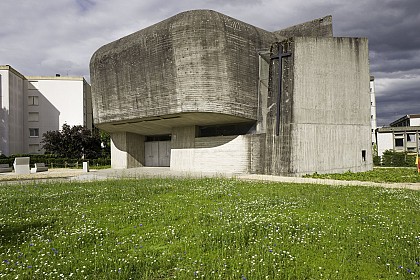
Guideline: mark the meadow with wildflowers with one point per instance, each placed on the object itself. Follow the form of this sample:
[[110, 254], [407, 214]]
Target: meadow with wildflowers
[[378, 174], [207, 229]]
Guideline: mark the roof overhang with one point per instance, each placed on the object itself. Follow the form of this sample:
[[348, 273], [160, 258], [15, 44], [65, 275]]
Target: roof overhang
[[161, 125]]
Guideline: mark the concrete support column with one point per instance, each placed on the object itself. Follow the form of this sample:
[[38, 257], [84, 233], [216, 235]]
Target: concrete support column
[[127, 150], [183, 137]]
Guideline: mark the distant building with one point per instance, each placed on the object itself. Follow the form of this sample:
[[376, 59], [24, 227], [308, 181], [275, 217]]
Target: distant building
[[33, 105], [402, 135], [373, 123]]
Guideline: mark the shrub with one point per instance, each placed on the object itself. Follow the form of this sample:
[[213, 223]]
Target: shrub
[[398, 159], [54, 161], [376, 160]]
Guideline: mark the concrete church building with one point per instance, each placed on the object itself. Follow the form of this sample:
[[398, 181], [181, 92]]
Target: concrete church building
[[202, 91]]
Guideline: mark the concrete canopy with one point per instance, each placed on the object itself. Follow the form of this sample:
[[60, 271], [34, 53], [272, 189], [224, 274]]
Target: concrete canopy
[[160, 125]]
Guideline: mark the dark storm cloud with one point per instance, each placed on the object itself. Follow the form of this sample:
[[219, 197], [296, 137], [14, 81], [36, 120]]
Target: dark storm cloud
[[60, 36], [384, 64], [85, 4], [392, 102], [392, 28]]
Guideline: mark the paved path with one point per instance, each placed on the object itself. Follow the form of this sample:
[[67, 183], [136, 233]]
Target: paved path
[[165, 172], [412, 186]]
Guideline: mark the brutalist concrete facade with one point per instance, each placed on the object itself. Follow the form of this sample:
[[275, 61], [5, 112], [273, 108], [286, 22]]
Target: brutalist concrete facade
[[227, 96]]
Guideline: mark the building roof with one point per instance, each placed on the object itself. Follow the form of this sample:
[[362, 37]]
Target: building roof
[[397, 129], [11, 69], [54, 78], [406, 117]]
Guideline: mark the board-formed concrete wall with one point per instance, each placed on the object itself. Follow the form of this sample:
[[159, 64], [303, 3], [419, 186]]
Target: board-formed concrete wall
[[196, 61], [320, 27], [224, 154], [127, 149], [217, 154], [331, 105], [325, 108]]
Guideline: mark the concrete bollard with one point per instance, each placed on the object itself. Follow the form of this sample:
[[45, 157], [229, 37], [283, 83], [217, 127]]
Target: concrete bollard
[[85, 166]]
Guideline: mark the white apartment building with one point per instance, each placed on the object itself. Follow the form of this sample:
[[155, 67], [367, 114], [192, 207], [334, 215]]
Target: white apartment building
[[32, 105], [403, 135], [373, 109]]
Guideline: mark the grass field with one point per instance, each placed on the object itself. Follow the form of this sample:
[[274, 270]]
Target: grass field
[[207, 229], [378, 174]]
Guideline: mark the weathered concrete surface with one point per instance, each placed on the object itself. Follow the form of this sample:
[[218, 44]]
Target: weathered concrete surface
[[217, 154], [127, 150], [223, 154], [321, 27], [325, 108], [197, 61], [202, 68]]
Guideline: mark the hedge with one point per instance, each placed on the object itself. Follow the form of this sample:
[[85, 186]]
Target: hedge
[[396, 159], [53, 161]]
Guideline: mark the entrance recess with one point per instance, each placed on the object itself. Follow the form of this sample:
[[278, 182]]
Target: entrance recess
[[157, 153]]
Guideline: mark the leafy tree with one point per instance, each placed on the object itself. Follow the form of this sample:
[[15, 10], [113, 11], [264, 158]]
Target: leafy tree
[[73, 142], [105, 144]]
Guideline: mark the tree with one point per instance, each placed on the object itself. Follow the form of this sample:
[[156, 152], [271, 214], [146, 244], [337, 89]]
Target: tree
[[73, 142], [105, 143]]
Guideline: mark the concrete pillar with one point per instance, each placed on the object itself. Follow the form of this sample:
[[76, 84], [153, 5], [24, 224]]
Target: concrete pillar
[[183, 137], [85, 166], [127, 150]]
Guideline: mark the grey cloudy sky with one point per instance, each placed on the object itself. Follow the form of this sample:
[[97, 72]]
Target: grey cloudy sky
[[59, 36]]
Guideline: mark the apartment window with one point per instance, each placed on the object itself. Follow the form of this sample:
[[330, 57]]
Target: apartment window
[[34, 132], [363, 155], [33, 117], [411, 137], [399, 142], [33, 101], [33, 148]]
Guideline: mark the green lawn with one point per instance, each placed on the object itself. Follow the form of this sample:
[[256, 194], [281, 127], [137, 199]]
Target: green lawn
[[378, 174], [207, 229]]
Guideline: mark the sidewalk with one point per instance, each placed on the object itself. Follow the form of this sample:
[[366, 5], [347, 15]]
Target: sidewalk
[[74, 175], [300, 180]]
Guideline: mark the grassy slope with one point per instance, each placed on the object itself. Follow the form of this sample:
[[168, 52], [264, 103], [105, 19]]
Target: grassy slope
[[208, 228]]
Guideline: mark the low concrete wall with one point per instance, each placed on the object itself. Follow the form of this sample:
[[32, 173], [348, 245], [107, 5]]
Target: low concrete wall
[[225, 154]]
